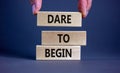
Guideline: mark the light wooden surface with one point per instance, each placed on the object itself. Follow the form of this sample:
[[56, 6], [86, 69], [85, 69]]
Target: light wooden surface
[[75, 19], [76, 38], [40, 52]]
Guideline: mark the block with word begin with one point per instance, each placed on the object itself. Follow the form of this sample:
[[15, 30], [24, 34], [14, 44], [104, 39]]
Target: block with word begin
[[69, 19], [58, 52], [57, 38]]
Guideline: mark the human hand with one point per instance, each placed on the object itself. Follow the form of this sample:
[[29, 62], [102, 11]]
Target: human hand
[[36, 6], [84, 7]]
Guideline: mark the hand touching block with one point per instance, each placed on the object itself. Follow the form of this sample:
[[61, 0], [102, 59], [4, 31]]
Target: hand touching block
[[84, 6]]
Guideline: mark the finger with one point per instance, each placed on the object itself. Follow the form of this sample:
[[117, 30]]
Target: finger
[[82, 6], [38, 4], [89, 4]]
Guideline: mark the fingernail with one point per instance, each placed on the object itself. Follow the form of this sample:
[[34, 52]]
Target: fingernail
[[35, 12], [84, 14]]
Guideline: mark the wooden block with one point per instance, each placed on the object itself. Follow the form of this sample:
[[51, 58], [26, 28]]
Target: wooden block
[[55, 38], [64, 19], [58, 52]]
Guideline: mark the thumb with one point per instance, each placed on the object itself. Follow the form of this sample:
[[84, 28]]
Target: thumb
[[36, 6], [82, 7], [89, 4]]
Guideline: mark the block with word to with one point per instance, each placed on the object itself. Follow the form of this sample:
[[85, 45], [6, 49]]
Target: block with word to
[[58, 52], [69, 19], [53, 38]]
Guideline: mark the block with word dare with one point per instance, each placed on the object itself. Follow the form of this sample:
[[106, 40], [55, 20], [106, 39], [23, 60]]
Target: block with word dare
[[53, 38], [69, 19], [58, 52]]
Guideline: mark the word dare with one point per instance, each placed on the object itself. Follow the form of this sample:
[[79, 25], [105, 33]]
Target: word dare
[[59, 19]]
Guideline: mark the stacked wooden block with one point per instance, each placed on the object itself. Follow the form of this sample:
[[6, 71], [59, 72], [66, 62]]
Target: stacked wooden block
[[60, 45]]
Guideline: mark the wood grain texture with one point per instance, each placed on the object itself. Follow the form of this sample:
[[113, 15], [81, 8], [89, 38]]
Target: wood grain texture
[[40, 52], [76, 19], [76, 38]]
